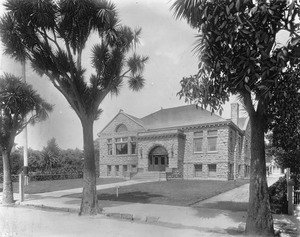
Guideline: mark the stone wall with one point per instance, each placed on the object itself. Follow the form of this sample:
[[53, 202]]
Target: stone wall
[[219, 157], [167, 139], [109, 132]]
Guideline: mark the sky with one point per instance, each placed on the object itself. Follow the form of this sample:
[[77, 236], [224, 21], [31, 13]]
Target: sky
[[166, 41]]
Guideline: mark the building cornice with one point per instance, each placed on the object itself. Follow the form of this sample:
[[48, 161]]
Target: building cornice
[[149, 135]]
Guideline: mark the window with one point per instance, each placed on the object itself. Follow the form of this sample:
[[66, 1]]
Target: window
[[109, 146], [109, 170], [198, 141], [109, 149], [117, 170], [133, 145], [121, 145], [121, 128], [125, 168], [121, 149], [212, 140], [231, 144], [212, 167], [198, 169]]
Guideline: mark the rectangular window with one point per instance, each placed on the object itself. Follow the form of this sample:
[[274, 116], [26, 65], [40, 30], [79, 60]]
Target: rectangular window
[[156, 160], [212, 140], [198, 141], [121, 148], [121, 145], [198, 169], [133, 147], [109, 170], [125, 168], [122, 139], [117, 170], [212, 167], [109, 146], [109, 149]]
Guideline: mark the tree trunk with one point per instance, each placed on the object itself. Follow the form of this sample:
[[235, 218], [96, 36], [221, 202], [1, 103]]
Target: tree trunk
[[7, 195], [89, 203], [259, 220]]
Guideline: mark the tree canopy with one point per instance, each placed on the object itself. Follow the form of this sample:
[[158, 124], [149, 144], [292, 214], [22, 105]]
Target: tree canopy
[[239, 53], [52, 36], [20, 105]]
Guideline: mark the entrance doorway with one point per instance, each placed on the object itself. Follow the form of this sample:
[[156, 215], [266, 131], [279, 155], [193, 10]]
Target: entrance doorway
[[158, 159]]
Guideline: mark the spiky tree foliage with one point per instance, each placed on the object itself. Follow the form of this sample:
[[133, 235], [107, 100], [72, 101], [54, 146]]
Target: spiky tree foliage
[[17, 100], [239, 53], [52, 36], [50, 156]]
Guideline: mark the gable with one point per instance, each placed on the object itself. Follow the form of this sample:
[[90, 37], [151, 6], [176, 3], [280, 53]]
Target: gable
[[124, 120]]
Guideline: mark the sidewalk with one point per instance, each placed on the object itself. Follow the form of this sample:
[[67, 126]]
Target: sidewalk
[[207, 215]]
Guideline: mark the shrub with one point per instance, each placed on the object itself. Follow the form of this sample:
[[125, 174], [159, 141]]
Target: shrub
[[278, 197]]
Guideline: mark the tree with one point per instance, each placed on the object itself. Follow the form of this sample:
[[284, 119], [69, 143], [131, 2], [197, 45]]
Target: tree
[[50, 155], [239, 54], [52, 36], [17, 100]]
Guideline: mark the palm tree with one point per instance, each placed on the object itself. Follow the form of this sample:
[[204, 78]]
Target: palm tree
[[17, 100], [50, 155], [52, 36]]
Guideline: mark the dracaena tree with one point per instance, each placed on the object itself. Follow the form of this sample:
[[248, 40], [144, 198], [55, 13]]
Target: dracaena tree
[[17, 101], [52, 36], [239, 53]]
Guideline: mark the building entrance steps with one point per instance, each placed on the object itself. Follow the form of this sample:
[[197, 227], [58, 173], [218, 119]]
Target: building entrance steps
[[150, 175]]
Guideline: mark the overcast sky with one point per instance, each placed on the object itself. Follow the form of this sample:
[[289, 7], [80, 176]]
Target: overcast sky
[[169, 44]]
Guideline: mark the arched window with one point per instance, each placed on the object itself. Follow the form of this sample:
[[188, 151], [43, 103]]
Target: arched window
[[121, 128]]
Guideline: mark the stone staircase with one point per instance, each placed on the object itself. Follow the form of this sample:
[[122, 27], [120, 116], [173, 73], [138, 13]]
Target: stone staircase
[[150, 175]]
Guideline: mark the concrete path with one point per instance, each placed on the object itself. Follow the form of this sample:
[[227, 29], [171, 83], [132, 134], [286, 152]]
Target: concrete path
[[235, 199]]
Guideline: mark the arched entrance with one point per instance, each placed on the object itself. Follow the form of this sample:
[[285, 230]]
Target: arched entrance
[[158, 159]]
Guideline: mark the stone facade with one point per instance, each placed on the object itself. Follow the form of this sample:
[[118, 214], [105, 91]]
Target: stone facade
[[215, 150]]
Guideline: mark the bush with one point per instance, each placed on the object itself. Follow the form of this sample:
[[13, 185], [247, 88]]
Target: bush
[[278, 197]]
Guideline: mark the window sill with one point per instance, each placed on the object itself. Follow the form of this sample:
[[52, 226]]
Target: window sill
[[198, 152], [212, 152]]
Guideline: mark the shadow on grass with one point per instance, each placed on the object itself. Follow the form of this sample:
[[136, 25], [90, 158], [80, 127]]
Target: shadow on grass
[[138, 196], [135, 197]]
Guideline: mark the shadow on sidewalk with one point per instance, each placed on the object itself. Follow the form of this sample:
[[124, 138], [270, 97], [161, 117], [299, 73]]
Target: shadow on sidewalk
[[226, 205]]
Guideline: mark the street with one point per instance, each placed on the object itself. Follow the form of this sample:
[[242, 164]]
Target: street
[[31, 222]]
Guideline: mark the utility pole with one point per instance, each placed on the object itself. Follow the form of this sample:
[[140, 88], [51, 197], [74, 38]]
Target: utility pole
[[23, 177], [25, 167]]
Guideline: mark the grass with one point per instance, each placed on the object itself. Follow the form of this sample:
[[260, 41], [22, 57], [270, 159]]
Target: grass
[[173, 192], [56, 185]]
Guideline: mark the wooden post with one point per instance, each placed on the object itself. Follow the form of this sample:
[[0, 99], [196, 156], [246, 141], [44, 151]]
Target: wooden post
[[117, 190], [290, 186], [21, 187]]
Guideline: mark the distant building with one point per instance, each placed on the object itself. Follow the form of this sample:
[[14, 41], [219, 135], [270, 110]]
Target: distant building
[[182, 142]]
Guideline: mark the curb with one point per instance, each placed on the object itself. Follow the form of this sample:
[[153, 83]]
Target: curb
[[115, 215]]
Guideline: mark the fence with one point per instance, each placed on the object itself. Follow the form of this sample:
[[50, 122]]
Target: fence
[[43, 177], [296, 196]]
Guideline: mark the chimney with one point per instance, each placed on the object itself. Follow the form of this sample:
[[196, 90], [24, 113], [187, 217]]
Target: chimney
[[235, 113]]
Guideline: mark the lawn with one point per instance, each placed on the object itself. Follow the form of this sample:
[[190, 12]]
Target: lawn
[[173, 192], [56, 185]]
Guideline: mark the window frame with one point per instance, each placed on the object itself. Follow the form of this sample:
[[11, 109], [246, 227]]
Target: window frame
[[212, 136], [121, 141], [198, 171], [210, 169], [198, 138]]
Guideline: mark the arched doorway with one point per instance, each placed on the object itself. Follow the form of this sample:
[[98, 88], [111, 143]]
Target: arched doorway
[[158, 159]]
